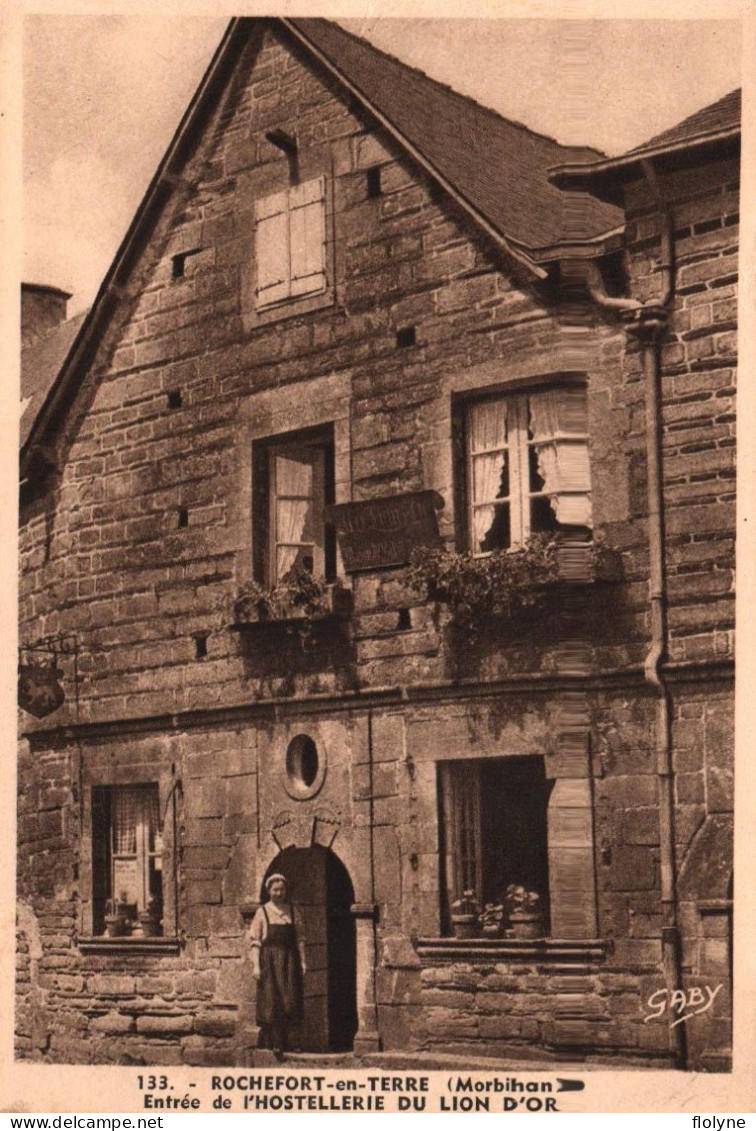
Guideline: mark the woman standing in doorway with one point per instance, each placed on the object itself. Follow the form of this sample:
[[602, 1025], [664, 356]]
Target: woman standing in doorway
[[278, 965]]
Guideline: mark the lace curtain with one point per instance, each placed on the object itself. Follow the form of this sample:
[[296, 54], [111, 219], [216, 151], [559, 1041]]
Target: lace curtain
[[133, 806], [488, 429], [555, 417], [294, 491]]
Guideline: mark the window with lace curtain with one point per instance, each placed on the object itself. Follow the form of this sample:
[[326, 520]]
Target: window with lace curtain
[[493, 825], [527, 467], [293, 482], [127, 854]]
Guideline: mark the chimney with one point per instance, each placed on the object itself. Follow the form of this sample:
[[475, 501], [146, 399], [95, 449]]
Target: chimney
[[41, 309]]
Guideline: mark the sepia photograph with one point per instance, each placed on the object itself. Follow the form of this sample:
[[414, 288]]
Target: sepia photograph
[[377, 528]]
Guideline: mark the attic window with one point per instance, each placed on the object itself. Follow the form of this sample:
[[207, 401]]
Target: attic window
[[290, 243], [374, 182]]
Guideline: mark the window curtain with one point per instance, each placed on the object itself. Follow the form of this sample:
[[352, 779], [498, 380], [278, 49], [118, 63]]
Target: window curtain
[[294, 489], [555, 417], [125, 810], [133, 807], [460, 800], [488, 429]]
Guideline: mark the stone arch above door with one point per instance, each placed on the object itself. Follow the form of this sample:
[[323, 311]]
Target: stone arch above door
[[291, 829]]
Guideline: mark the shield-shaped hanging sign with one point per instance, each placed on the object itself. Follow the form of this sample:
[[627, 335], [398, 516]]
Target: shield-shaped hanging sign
[[39, 690]]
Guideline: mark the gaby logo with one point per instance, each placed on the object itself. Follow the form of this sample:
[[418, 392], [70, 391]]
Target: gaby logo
[[681, 1004]]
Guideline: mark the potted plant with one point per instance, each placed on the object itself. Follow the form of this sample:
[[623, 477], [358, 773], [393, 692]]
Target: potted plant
[[117, 923], [524, 912], [149, 920], [492, 919], [465, 913]]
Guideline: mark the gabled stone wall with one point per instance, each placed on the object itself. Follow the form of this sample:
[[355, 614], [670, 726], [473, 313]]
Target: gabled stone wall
[[189, 377]]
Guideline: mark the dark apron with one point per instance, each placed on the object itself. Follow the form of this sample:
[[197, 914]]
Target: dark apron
[[279, 990]]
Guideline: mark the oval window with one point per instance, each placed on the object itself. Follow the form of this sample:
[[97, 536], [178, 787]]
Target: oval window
[[305, 769]]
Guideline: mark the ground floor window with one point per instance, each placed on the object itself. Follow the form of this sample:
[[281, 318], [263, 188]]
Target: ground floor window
[[494, 830], [127, 860]]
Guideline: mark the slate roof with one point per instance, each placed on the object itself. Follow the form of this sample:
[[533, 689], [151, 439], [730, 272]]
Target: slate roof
[[715, 119], [716, 124], [499, 166], [40, 362]]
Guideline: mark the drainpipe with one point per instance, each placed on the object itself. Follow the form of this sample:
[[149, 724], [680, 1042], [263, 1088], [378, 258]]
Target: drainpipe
[[374, 914], [647, 322]]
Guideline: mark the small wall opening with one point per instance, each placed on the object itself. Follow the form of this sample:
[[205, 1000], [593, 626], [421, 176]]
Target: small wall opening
[[405, 337], [179, 262], [374, 182], [404, 620]]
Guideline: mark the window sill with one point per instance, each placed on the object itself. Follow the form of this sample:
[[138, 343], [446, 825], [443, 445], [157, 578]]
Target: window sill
[[482, 950], [102, 944], [714, 906], [279, 304], [258, 316]]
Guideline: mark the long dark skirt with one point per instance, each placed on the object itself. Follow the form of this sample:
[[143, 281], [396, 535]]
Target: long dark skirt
[[279, 989]]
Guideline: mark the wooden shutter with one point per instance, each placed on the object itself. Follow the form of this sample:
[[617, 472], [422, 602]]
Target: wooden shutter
[[571, 865], [307, 237], [272, 249]]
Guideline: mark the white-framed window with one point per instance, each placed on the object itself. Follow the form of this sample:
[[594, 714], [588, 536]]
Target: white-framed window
[[494, 829], [290, 243], [527, 467], [127, 856], [293, 484]]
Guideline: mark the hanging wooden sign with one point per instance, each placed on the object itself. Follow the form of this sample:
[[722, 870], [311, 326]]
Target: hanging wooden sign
[[39, 689], [383, 532]]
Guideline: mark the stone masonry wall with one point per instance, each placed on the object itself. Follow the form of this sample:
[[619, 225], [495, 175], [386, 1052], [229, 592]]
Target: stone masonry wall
[[105, 558], [110, 562], [699, 359]]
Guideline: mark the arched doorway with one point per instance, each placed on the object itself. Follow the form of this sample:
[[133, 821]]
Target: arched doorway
[[320, 886]]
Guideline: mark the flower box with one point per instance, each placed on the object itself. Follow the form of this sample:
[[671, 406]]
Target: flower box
[[333, 603]]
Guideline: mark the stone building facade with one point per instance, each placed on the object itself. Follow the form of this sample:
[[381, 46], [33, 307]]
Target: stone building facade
[[326, 300]]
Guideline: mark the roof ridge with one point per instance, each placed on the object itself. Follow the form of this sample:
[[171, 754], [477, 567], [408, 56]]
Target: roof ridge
[[446, 87]]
